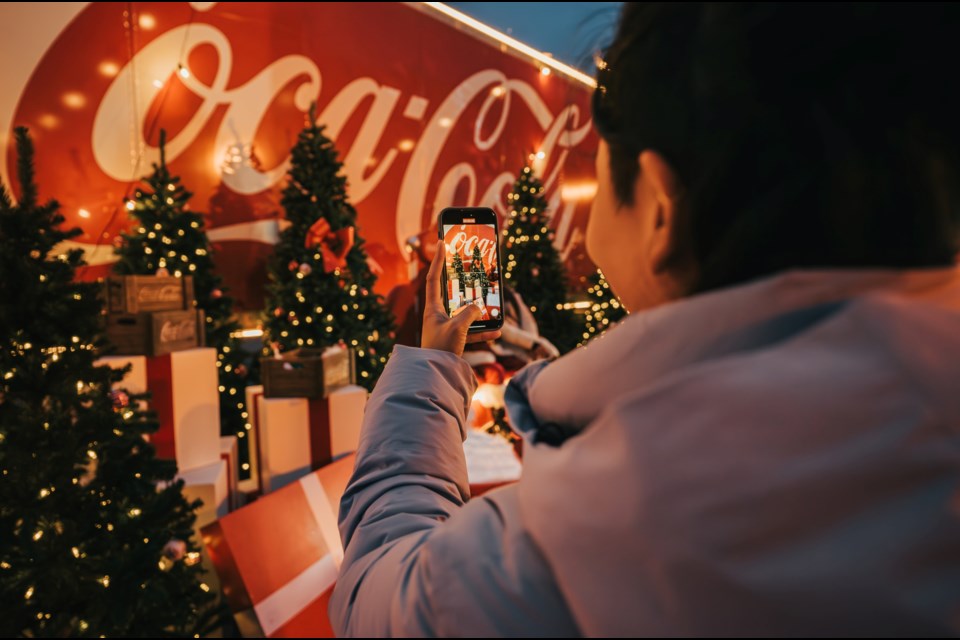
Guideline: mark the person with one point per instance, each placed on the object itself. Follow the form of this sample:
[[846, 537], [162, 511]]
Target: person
[[768, 444]]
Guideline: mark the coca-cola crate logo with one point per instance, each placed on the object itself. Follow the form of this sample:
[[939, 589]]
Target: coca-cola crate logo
[[162, 293], [424, 115], [178, 330]]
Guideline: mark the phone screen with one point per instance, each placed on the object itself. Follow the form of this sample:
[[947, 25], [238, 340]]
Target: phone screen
[[473, 269]]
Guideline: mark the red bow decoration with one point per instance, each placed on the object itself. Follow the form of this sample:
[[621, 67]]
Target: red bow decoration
[[334, 245]]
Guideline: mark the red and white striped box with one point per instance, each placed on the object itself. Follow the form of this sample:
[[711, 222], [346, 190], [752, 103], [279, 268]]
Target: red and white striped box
[[278, 557], [229, 453], [184, 393], [297, 435]]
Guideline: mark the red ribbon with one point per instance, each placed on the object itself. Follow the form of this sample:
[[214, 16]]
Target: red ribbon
[[334, 245]]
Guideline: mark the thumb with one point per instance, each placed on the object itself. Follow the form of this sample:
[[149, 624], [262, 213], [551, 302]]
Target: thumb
[[468, 316]]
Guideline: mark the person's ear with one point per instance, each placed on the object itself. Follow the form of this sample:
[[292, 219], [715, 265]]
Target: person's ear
[[662, 184]]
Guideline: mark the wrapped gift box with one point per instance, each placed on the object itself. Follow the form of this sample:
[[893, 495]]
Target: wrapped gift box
[[250, 477], [183, 386], [229, 453], [135, 381], [297, 435], [278, 557], [207, 483], [491, 461], [185, 397]]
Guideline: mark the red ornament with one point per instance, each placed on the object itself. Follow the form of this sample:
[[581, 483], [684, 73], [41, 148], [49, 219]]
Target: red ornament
[[293, 265], [535, 271], [240, 370], [334, 245], [119, 398], [278, 312], [305, 269], [119, 242], [216, 293], [175, 549]]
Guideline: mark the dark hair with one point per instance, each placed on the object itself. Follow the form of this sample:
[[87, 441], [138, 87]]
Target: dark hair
[[804, 135]]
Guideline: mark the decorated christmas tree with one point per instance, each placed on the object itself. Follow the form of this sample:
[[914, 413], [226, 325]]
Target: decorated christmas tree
[[91, 545], [479, 274], [605, 308], [170, 239], [458, 270], [532, 264], [321, 285]]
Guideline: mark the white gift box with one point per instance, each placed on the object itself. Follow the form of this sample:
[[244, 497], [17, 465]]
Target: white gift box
[[229, 453], [136, 380], [251, 485], [297, 435], [207, 483], [184, 393]]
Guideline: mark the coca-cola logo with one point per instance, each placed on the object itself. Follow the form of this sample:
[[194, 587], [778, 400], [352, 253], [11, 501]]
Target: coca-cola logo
[[178, 330], [160, 293], [464, 238], [444, 120]]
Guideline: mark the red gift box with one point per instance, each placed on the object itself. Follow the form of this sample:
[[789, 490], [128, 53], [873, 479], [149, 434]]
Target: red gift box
[[278, 557]]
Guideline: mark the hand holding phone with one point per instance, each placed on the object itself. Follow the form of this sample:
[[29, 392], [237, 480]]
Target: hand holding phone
[[472, 269], [440, 331]]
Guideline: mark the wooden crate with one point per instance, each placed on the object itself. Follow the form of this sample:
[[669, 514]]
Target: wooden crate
[[308, 373], [135, 294], [155, 333]]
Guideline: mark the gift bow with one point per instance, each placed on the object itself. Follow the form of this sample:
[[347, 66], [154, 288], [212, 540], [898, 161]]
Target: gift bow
[[334, 245]]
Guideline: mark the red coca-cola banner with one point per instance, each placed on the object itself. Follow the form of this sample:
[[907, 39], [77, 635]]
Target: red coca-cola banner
[[425, 113]]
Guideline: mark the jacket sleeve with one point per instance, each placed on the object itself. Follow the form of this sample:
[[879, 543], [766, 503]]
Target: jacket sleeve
[[419, 559]]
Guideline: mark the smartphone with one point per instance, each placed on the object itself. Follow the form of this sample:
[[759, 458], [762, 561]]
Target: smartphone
[[472, 270]]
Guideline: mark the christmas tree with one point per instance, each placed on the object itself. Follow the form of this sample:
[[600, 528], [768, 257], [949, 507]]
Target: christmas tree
[[321, 286], [90, 546], [605, 308], [479, 273], [458, 270], [171, 239], [532, 264]]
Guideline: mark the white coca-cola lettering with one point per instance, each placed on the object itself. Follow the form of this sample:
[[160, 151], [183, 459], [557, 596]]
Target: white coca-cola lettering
[[122, 152], [177, 330], [164, 293], [465, 244]]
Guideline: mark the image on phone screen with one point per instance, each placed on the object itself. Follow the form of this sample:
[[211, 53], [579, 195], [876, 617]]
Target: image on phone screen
[[473, 275]]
